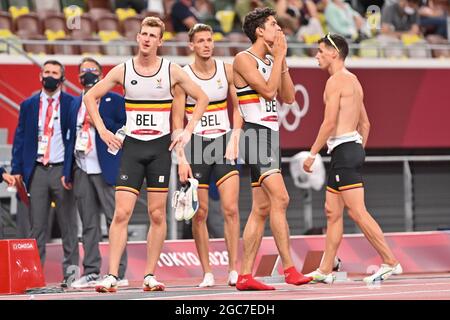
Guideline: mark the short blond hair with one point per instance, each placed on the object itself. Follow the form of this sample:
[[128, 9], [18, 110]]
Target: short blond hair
[[199, 27], [154, 22]]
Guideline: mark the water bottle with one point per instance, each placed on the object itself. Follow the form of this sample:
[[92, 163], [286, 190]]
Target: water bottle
[[121, 134]]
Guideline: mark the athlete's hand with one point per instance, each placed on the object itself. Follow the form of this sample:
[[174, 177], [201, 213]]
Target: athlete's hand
[[181, 140], [307, 164], [184, 172], [9, 179], [232, 151], [110, 139], [279, 48]]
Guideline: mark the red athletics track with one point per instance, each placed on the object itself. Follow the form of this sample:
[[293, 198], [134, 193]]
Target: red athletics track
[[404, 287]]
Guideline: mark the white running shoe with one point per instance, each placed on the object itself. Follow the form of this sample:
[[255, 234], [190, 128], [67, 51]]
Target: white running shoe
[[192, 203], [179, 203], [122, 282], [86, 281], [232, 278], [384, 273], [208, 280], [108, 284], [397, 269], [318, 276], [151, 284]]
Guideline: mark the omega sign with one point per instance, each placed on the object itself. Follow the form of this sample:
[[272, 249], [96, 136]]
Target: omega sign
[[23, 246], [298, 112]]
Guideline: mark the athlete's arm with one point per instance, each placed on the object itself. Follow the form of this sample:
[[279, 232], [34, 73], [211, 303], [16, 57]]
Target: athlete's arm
[[244, 66], [332, 99], [192, 89], [113, 78], [178, 109], [363, 125], [286, 91], [232, 147]]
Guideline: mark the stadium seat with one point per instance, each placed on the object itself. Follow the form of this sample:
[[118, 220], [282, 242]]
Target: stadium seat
[[86, 27], [131, 26], [88, 49], [28, 24], [98, 13], [66, 49], [6, 22], [40, 48], [108, 23]]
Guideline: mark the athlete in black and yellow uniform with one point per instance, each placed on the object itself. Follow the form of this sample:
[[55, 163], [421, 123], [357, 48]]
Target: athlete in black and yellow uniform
[[260, 74], [148, 81], [345, 129], [213, 148]]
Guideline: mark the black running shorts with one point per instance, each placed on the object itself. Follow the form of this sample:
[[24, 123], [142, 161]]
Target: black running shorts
[[260, 149], [145, 159], [207, 156], [345, 169]]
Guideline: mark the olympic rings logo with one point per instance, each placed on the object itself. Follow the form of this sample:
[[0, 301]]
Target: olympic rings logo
[[298, 112]]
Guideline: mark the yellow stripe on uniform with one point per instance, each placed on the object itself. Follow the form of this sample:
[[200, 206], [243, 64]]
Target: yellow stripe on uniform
[[249, 96], [123, 188], [332, 190], [211, 107], [268, 173], [351, 186], [225, 177], [157, 189], [255, 184], [203, 186], [150, 106]]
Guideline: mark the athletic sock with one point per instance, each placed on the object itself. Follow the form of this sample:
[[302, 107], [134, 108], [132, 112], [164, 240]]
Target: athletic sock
[[292, 276], [247, 282]]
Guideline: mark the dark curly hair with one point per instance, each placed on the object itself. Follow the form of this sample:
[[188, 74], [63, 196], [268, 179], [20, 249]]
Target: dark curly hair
[[255, 19]]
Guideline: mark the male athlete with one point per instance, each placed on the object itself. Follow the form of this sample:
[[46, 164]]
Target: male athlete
[[148, 81], [208, 145], [260, 72], [345, 129]]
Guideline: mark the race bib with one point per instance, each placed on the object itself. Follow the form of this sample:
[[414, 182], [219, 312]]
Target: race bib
[[42, 144]]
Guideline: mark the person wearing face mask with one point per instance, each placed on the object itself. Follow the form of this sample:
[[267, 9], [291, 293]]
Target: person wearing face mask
[[94, 171], [400, 18], [39, 147]]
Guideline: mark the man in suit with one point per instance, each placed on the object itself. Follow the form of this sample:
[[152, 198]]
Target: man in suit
[[94, 170], [40, 143]]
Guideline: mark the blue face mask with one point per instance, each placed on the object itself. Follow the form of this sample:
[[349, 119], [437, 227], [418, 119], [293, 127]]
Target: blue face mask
[[50, 83], [89, 79]]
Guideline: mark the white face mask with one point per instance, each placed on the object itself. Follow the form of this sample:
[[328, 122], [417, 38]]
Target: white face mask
[[409, 10]]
